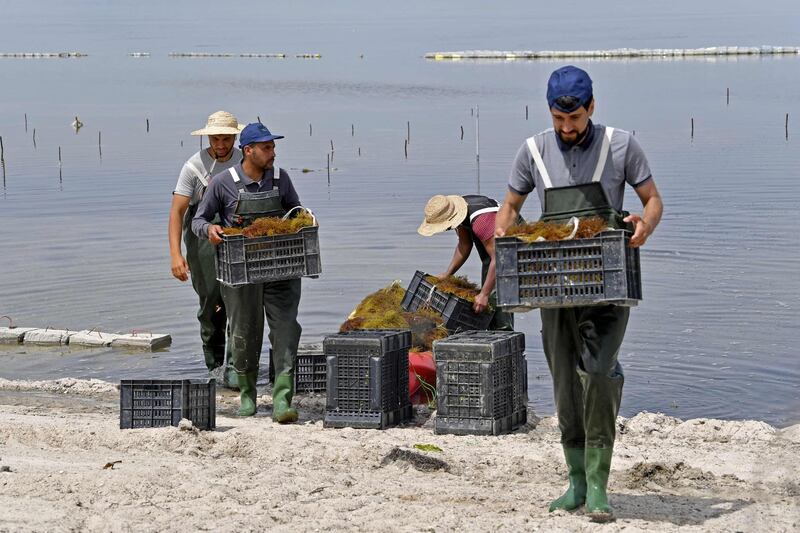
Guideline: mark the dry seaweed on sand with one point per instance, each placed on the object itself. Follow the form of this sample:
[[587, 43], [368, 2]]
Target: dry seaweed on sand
[[270, 226], [556, 231], [382, 310]]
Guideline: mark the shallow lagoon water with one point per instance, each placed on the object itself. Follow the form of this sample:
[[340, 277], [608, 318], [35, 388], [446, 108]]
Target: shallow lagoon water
[[713, 336]]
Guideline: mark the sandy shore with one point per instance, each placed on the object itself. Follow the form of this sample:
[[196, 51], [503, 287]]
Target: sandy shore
[[56, 437]]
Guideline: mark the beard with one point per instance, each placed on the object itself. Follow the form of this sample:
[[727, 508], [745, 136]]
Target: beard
[[575, 139]]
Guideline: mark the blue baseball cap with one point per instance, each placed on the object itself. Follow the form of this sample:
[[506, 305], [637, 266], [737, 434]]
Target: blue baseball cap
[[569, 81], [256, 132]]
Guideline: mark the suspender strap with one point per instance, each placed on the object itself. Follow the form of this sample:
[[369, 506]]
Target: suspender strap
[[537, 158], [275, 177], [601, 160], [200, 175], [483, 211], [236, 180]]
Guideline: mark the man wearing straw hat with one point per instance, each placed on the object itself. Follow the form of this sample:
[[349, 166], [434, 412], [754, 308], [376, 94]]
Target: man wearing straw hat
[[580, 169], [473, 218], [221, 128]]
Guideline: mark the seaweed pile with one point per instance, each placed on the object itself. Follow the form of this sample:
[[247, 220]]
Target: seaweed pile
[[556, 231], [382, 310], [269, 226], [456, 285]]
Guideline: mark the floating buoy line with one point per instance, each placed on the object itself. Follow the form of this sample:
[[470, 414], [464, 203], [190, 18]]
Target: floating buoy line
[[615, 53]]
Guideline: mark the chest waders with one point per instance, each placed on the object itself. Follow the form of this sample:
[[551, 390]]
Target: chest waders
[[249, 304], [477, 206], [200, 256], [581, 345]]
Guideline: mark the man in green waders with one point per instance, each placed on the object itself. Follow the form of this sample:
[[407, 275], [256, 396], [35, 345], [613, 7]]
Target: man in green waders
[[256, 188], [222, 129], [581, 168], [473, 218]]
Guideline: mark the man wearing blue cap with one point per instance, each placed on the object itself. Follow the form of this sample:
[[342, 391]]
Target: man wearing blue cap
[[252, 189], [581, 167]]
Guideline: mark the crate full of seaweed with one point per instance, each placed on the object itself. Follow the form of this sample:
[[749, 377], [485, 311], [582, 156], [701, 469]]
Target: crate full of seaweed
[[451, 297], [270, 249], [566, 264]]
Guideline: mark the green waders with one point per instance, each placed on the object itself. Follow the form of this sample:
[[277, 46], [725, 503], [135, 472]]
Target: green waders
[[249, 304], [581, 345], [211, 315]]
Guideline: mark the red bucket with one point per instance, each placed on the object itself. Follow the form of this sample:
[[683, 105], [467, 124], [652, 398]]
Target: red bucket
[[421, 377]]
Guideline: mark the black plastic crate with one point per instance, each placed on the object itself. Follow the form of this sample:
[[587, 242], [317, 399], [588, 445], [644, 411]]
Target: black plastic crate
[[367, 378], [311, 369], [481, 383], [241, 260], [151, 403], [457, 313], [599, 270]]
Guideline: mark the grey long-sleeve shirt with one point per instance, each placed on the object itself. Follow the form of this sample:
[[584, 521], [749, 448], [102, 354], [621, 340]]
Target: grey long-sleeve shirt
[[222, 196]]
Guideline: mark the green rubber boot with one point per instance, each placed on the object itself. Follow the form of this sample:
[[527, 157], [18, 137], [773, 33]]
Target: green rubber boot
[[598, 464], [247, 393], [282, 392], [575, 495]]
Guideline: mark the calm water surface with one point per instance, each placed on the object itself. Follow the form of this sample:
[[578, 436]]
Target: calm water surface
[[86, 247]]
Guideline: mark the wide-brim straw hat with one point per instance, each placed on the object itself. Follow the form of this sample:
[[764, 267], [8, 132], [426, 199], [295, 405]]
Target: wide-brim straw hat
[[220, 123], [443, 213]]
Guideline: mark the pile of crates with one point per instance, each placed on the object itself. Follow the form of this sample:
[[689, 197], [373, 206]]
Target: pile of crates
[[151, 403], [457, 313], [367, 378], [242, 260], [481, 383], [598, 270]]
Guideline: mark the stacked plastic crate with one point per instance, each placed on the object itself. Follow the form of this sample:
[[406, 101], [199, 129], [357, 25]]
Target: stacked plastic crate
[[481, 383], [367, 378]]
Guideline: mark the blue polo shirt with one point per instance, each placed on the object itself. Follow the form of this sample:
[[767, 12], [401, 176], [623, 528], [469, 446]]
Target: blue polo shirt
[[222, 196]]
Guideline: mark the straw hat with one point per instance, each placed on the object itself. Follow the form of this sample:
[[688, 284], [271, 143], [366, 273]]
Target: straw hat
[[220, 123], [443, 213]]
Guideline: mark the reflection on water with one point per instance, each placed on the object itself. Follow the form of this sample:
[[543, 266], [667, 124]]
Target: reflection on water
[[85, 241]]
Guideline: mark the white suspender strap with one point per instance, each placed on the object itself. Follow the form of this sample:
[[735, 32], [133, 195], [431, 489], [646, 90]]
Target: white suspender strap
[[235, 176], [277, 175], [483, 211], [537, 158], [604, 149], [197, 173]]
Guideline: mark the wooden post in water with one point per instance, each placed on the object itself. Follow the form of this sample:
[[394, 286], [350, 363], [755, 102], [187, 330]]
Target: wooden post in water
[[462, 132], [59, 157], [329, 169], [309, 129], [526, 112], [692, 134], [359, 151], [2, 150], [727, 96], [34, 138], [408, 132], [405, 147], [26, 123], [258, 117], [786, 126], [352, 130], [148, 124], [99, 143]]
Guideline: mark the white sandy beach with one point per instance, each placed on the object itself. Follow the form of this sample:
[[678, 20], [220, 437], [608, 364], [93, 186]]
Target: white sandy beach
[[56, 437]]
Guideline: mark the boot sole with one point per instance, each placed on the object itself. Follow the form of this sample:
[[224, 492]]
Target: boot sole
[[601, 517]]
